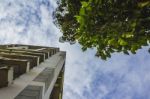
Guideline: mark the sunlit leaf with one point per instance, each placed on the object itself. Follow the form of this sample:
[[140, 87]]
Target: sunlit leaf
[[122, 42]]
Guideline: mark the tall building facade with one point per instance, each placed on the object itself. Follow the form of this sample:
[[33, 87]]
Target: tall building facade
[[31, 72]]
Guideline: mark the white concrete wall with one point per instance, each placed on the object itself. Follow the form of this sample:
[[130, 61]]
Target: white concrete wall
[[10, 92]]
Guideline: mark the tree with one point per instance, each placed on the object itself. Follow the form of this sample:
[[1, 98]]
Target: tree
[[107, 25]]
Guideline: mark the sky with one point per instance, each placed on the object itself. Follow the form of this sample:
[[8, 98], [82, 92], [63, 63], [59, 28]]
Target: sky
[[86, 76]]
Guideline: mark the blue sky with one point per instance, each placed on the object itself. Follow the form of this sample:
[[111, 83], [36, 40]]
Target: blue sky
[[86, 77]]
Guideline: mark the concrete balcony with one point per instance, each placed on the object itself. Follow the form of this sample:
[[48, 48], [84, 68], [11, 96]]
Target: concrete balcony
[[33, 72], [6, 76]]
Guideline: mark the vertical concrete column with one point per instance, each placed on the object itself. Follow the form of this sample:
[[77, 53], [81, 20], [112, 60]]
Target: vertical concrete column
[[38, 61], [28, 66], [10, 75]]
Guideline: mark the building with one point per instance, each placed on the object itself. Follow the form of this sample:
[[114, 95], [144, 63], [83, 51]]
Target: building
[[31, 72]]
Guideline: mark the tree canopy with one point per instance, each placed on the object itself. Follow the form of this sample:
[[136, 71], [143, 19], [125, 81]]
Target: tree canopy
[[107, 25]]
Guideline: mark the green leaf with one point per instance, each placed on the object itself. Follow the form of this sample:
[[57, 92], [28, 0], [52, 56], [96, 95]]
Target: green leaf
[[89, 8], [84, 49], [126, 52], [122, 42], [111, 41], [143, 4], [133, 51], [127, 35], [134, 48], [103, 57], [108, 54], [80, 19], [149, 50], [84, 4], [133, 24], [82, 11], [145, 44]]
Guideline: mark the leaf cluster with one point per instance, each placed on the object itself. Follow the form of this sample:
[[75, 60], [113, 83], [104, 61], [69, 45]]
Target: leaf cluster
[[107, 25]]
